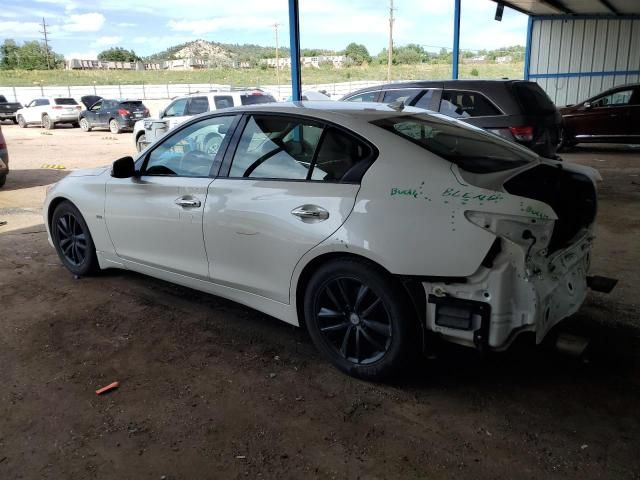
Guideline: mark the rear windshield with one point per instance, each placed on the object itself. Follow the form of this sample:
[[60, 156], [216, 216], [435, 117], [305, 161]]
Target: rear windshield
[[65, 101], [132, 105], [472, 150], [533, 98], [256, 99]]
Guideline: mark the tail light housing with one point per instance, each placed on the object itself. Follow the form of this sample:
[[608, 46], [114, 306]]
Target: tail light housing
[[522, 134], [123, 113]]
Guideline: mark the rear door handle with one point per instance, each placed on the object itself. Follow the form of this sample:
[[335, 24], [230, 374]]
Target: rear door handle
[[188, 202], [310, 213]]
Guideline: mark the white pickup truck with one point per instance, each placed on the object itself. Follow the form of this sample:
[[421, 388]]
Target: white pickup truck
[[182, 108]]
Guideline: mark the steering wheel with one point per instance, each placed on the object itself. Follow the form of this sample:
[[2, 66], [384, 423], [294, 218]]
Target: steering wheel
[[196, 162], [212, 143]]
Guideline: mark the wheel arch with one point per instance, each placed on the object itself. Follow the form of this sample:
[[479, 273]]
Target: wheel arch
[[411, 287]]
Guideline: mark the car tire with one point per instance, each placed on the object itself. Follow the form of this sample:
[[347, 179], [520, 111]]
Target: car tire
[[114, 127], [21, 122], [72, 240], [84, 125], [357, 317], [3, 180], [140, 142], [566, 141], [47, 123]]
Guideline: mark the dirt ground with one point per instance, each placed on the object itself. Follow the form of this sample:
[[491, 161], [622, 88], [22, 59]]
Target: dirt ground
[[211, 389]]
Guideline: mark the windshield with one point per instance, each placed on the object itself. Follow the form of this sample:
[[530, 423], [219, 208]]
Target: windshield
[[65, 101], [472, 150], [255, 99]]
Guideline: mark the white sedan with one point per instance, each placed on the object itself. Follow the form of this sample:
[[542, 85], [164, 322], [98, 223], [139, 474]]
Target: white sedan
[[375, 227]]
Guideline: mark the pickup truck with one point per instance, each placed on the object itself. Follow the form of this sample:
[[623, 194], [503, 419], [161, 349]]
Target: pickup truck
[[8, 109]]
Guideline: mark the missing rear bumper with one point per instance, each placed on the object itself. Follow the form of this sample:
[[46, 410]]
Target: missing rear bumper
[[463, 314]]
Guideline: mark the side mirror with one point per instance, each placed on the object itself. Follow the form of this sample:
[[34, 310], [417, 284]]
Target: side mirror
[[587, 105], [123, 168]]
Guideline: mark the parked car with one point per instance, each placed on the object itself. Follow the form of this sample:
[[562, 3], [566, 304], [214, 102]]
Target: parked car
[[48, 112], [374, 227], [514, 109], [185, 107], [8, 109], [612, 116], [116, 115], [4, 160]]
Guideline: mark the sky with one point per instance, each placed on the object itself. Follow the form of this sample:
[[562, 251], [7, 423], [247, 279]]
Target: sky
[[82, 29]]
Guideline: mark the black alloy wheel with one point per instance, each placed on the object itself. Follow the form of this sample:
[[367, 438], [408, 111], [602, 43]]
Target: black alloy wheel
[[353, 320], [359, 318], [72, 240]]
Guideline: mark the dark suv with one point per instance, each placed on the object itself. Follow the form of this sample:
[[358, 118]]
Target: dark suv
[[116, 115], [514, 109]]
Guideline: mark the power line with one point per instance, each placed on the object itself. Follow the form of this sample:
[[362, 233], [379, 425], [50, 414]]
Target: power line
[[46, 42], [390, 49]]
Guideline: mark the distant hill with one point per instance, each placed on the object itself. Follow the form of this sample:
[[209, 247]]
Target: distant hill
[[226, 53]]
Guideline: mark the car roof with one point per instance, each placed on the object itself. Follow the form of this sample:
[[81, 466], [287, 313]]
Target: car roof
[[322, 109]]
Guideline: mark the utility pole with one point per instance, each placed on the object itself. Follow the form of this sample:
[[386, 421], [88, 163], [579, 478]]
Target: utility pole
[[46, 42], [390, 49], [275, 26]]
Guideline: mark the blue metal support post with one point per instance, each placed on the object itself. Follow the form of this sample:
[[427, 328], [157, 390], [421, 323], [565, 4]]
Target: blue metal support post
[[294, 42], [527, 50], [456, 39]]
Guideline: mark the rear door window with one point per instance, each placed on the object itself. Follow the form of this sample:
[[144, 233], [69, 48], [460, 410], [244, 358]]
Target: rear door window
[[223, 101], [364, 97], [399, 95], [466, 104], [341, 157], [197, 105]]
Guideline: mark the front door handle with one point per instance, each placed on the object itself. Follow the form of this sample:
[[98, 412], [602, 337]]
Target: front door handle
[[188, 202], [310, 213]]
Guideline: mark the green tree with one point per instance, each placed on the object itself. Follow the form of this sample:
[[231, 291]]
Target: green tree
[[33, 56], [118, 54], [358, 53], [9, 55]]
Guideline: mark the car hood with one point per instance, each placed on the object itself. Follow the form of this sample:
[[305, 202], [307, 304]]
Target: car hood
[[89, 172]]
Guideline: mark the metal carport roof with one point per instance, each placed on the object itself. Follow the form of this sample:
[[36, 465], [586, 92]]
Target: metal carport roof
[[574, 7]]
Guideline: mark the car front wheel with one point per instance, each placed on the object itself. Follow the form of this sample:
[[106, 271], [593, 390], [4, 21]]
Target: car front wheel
[[72, 240], [140, 143], [84, 125], [358, 318], [21, 122]]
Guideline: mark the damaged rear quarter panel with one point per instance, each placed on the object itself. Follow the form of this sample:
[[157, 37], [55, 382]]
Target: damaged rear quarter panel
[[420, 200]]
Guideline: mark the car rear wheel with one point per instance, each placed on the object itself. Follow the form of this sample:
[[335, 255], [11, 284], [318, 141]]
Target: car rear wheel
[[84, 125], [566, 141], [357, 317], [3, 180], [21, 122], [140, 142], [72, 240], [114, 127], [47, 123]]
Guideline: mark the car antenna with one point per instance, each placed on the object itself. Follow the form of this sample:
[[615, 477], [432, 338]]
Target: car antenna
[[397, 105]]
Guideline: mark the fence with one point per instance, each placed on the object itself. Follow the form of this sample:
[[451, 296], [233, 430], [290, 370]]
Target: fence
[[158, 92]]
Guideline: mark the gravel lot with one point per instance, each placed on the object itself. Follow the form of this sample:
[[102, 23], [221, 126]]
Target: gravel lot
[[210, 389]]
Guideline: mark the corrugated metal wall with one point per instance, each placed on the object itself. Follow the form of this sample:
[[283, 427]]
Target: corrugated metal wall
[[574, 59]]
